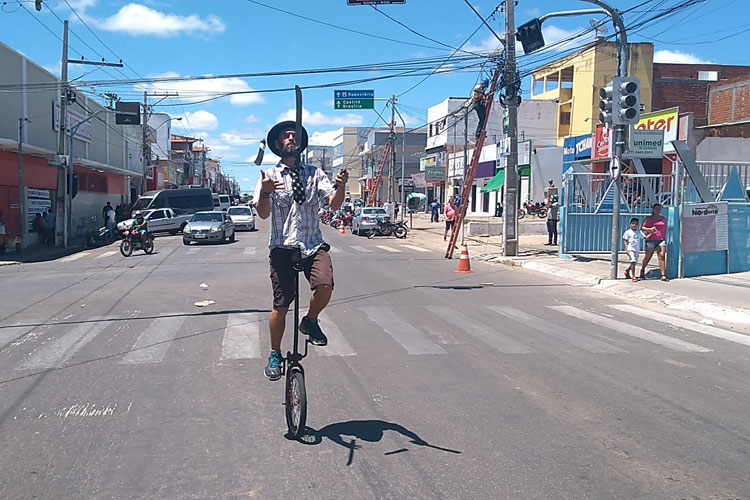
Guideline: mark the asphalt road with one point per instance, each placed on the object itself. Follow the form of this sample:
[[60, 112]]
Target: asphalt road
[[500, 384]]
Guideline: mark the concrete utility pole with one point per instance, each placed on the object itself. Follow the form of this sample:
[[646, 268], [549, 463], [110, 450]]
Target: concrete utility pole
[[392, 138], [145, 151], [61, 204], [23, 230], [510, 187]]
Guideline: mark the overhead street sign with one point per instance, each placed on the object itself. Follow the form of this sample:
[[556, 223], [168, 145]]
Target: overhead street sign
[[372, 2], [353, 99]]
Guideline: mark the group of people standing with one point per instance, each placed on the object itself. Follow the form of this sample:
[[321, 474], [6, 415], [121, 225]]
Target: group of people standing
[[44, 224], [654, 231]]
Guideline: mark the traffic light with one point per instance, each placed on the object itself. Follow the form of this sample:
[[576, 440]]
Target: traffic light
[[605, 105], [73, 188], [38, 5], [530, 36], [626, 101]]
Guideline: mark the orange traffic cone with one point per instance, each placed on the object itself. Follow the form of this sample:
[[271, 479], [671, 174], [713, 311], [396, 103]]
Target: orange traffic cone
[[341, 227], [464, 266]]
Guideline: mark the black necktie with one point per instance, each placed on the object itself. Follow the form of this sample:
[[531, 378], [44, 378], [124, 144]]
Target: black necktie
[[297, 190]]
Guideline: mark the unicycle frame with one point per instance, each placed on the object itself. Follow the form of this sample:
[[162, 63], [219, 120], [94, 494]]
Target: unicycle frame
[[291, 364]]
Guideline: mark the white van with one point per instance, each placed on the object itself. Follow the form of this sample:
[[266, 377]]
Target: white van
[[221, 201]]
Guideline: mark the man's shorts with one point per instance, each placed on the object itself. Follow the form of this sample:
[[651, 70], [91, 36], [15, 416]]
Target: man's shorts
[[318, 270], [633, 256], [449, 224], [652, 245]]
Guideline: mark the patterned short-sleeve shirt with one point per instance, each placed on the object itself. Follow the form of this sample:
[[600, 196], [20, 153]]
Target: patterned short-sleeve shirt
[[294, 225]]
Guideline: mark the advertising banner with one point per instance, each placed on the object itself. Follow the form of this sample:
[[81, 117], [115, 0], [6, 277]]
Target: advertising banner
[[576, 148], [666, 120], [645, 144], [602, 144], [705, 227], [524, 153]]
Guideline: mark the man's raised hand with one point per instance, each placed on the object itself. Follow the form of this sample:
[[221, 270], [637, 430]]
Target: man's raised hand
[[268, 186]]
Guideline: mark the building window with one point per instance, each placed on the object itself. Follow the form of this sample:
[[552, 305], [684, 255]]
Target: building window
[[537, 87]]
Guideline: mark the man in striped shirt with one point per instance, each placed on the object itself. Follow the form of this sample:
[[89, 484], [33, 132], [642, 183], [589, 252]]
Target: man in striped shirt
[[291, 195]]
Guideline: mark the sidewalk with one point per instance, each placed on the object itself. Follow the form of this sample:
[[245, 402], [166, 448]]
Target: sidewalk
[[721, 297], [40, 253]]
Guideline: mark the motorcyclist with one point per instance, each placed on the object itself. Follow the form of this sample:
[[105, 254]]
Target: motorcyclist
[[140, 224]]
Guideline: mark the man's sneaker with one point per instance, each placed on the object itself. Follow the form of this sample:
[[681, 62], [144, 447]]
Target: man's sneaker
[[272, 371], [311, 328]]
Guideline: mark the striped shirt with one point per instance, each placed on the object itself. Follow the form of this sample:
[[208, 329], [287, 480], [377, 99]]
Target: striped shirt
[[294, 225]]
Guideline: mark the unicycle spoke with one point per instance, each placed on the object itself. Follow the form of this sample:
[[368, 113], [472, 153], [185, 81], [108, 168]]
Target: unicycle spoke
[[296, 402]]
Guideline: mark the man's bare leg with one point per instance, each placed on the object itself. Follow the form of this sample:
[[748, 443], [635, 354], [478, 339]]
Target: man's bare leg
[[276, 324], [319, 300]]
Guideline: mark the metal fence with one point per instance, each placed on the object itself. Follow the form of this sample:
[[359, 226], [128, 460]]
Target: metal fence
[[593, 193], [716, 174]]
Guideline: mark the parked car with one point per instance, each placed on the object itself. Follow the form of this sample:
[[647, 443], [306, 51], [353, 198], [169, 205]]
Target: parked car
[[182, 201], [162, 220], [221, 201], [215, 225], [243, 218], [366, 218]]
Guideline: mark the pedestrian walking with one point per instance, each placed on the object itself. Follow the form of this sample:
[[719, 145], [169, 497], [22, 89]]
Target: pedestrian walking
[[553, 215], [435, 211], [106, 209], [655, 227], [632, 242], [291, 194], [450, 217]]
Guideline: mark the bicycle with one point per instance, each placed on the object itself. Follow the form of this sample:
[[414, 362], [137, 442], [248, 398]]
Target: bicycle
[[295, 394]]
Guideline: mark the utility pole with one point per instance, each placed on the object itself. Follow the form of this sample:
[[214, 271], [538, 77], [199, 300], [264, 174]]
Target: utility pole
[[61, 204], [392, 138], [145, 151], [510, 187], [23, 231], [466, 161]]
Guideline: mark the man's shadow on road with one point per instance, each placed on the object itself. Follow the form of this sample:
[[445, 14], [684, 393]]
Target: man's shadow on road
[[371, 431]]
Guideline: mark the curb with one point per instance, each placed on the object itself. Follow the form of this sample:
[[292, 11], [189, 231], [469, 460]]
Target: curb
[[9, 263]]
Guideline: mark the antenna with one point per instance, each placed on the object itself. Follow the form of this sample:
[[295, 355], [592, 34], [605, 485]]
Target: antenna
[[599, 26]]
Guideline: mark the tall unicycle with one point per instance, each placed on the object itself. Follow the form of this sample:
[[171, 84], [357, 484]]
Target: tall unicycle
[[295, 399]]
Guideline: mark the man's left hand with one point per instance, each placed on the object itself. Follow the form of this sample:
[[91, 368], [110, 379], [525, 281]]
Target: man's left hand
[[341, 179]]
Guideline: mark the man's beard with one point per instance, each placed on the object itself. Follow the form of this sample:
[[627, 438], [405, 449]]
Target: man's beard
[[288, 150]]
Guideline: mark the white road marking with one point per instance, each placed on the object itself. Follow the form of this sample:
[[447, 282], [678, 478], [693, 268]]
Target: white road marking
[[10, 333], [488, 335], [582, 341], [361, 249], [249, 251], [61, 349], [389, 249], [75, 256], [631, 330], [221, 253], [409, 337], [106, 254], [416, 249], [192, 251], [337, 344], [241, 337], [153, 343], [686, 324]]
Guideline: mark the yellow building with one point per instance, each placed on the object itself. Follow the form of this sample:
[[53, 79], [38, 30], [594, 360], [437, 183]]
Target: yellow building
[[574, 82]]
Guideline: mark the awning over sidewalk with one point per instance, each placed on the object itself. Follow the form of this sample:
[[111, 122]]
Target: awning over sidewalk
[[495, 184]]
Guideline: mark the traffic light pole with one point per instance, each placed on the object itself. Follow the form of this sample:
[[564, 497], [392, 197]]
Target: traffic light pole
[[510, 187]]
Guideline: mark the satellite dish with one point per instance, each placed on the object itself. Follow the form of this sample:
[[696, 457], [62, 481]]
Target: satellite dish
[[599, 26]]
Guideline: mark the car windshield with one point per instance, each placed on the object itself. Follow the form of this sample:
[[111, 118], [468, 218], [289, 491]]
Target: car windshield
[[206, 217], [142, 203], [239, 211], [374, 211]]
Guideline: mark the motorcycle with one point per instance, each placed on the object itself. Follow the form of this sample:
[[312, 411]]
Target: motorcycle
[[388, 228], [535, 209], [336, 220], [131, 240], [100, 237]]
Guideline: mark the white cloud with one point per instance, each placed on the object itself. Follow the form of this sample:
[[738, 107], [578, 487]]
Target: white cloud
[[245, 179], [412, 120], [197, 90], [552, 34], [488, 44], [268, 158], [318, 119], [200, 119], [677, 57], [324, 138], [251, 119], [136, 19]]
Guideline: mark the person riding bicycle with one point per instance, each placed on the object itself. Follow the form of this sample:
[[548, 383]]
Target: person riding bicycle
[[291, 195], [140, 224]]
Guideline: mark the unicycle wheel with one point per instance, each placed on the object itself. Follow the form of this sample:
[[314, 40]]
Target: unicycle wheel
[[295, 402]]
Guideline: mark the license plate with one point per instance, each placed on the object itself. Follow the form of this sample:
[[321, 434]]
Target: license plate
[[199, 236]]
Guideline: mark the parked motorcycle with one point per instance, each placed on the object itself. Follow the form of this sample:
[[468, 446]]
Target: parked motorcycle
[[131, 240], [99, 237], [336, 220], [535, 209], [388, 228]]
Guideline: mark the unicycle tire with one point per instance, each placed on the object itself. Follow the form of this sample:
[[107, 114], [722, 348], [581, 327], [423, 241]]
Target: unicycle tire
[[295, 402]]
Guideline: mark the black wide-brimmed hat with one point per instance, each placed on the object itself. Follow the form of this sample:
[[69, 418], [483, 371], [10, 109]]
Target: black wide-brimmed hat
[[273, 136]]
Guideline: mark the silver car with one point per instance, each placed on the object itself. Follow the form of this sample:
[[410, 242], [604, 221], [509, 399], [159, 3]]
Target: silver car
[[209, 226], [242, 217], [365, 218]]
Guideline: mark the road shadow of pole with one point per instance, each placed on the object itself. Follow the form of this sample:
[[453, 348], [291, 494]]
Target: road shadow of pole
[[371, 431]]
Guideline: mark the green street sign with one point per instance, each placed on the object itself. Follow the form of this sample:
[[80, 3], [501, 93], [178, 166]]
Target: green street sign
[[353, 99]]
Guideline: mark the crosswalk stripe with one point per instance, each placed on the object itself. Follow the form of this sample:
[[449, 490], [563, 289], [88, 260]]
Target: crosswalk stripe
[[582, 341], [334, 250], [417, 249], [489, 336], [241, 337], [361, 249], [53, 355], [687, 324], [106, 254], [10, 333], [221, 253], [249, 251], [153, 343], [389, 249], [409, 337], [631, 330], [337, 344], [75, 256]]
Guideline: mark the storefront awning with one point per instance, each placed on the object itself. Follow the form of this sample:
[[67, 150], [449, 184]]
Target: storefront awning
[[524, 171], [495, 184]]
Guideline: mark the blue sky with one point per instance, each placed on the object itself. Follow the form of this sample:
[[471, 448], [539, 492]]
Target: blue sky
[[191, 38]]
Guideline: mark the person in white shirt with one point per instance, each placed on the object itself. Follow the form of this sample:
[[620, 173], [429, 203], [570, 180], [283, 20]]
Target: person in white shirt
[[632, 242]]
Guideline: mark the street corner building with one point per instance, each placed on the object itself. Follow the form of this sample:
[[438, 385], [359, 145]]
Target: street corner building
[[107, 158]]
